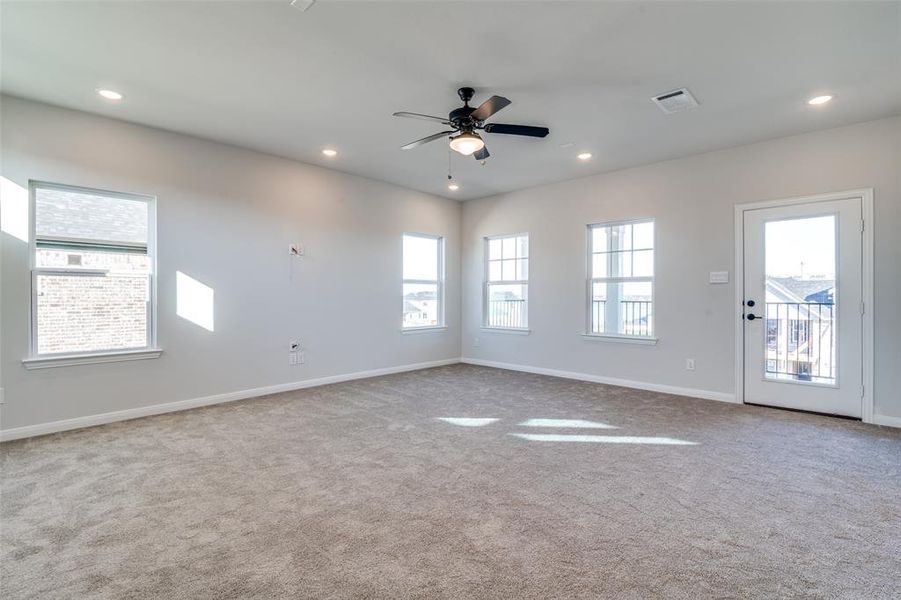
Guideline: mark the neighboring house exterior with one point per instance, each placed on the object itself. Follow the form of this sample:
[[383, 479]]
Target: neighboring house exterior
[[420, 309], [800, 328]]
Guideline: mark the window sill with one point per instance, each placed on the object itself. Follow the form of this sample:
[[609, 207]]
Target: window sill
[[436, 329], [506, 330], [71, 360], [621, 339]]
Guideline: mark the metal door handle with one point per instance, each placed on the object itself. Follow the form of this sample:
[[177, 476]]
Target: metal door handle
[[752, 317]]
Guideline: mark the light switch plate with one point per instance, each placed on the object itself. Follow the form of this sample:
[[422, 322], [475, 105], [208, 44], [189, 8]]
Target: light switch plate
[[719, 277]]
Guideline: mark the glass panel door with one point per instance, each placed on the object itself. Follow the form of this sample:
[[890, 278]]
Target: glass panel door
[[802, 288]]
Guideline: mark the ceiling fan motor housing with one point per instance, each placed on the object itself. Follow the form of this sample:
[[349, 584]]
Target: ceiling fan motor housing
[[460, 117]]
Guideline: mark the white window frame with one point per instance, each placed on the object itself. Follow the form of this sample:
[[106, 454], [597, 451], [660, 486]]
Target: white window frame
[[150, 350], [650, 339], [439, 282], [487, 282]]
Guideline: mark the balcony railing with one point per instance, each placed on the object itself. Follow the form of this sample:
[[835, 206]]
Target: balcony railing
[[800, 340], [635, 316], [506, 313]]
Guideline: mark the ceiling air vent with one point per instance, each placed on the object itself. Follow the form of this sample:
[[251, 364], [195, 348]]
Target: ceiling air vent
[[675, 101]]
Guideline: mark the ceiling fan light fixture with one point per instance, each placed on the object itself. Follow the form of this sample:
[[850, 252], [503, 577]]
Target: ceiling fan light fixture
[[467, 143]]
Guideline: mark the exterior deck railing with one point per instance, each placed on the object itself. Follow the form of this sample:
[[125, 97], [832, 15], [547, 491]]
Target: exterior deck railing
[[506, 313], [800, 340], [635, 316]]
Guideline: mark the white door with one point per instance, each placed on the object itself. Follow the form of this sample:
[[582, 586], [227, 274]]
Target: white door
[[803, 306]]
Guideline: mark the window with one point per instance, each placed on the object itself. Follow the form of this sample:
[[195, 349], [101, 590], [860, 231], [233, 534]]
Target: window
[[423, 287], [92, 281], [507, 282], [621, 279]]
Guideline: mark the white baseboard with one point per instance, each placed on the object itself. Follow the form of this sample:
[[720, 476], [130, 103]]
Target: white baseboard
[[641, 385], [158, 409], [887, 421]]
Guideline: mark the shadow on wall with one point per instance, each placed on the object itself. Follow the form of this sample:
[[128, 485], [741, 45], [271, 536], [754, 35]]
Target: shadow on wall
[[194, 301]]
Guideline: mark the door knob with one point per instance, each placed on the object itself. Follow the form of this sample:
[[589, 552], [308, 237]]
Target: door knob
[[750, 303], [752, 317]]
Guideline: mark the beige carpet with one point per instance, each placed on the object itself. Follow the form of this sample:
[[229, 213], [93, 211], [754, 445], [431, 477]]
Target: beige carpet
[[359, 490]]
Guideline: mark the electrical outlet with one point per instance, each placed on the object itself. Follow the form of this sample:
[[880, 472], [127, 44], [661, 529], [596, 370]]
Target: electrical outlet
[[292, 358], [689, 364]]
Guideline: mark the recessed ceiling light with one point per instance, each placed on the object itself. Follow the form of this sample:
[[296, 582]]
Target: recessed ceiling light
[[110, 94], [330, 152], [817, 100], [453, 187], [584, 156]]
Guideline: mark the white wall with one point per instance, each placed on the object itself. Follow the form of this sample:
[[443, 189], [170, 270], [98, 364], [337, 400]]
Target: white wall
[[692, 201], [225, 217]]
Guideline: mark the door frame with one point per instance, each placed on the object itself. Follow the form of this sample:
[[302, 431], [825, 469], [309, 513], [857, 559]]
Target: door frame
[[866, 199]]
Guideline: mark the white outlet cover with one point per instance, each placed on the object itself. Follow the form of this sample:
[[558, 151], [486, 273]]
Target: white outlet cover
[[719, 277]]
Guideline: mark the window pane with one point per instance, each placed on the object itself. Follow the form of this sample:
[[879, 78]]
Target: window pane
[[801, 310], [622, 308], [494, 270], [625, 237], [81, 215], [643, 263], [420, 257], [421, 305], [643, 234], [507, 305], [494, 249], [522, 269], [622, 264], [599, 265], [115, 262], [522, 246], [509, 270], [509, 247], [599, 239], [83, 313]]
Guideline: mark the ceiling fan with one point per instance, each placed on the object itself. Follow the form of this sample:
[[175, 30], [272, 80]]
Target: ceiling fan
[[466, 120]]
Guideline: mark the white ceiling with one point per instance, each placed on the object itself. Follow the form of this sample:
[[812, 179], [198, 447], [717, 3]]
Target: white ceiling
[[267, 76]]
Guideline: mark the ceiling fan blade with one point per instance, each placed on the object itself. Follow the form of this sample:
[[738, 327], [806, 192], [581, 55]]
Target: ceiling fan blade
[[481, 154], [425, 140], [517, 129], [412, 115], [489, 107]]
